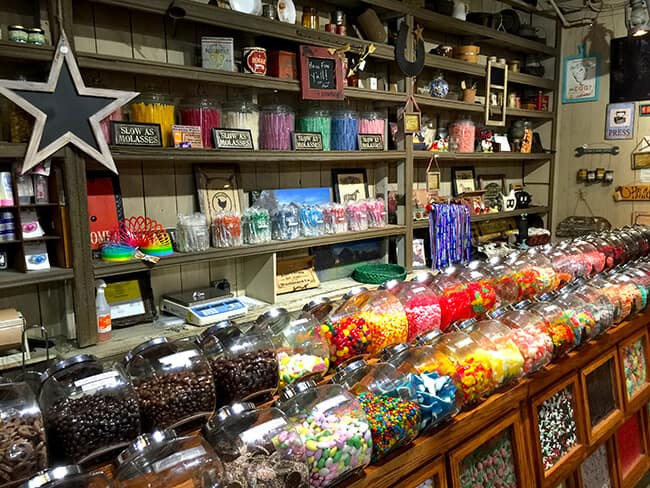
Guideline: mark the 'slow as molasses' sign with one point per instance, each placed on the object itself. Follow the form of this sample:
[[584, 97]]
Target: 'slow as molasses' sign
[[135, 134]]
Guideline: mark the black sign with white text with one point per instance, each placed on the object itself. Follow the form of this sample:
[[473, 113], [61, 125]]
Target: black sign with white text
[[307, 141], [232, 139], [135, 134], [371, 142]]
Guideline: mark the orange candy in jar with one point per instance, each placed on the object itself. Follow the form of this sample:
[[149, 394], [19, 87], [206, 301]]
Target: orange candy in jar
[[502, 280], [386, 320], [462, 136]]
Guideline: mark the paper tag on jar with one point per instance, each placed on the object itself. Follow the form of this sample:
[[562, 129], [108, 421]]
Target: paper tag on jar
[[179, 359], [179, 457], [98, 381], [335, 401], [250, 436]]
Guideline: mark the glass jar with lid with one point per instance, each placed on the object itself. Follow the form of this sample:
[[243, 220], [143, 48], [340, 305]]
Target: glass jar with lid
[[602, 308], [316, 119], [162, 458], [617, 247], [565, 265], [479, 286], [71, 476], [374, 123], [245, 366], [585, 252], [23, 450], [641, 241], [473, 365], [531, 336], [345, 128], [455, 299], [242, 114], [563, 332], [494, 337], [173, 382], [462, 136], [302, 352], [421, 306], [630, 293], [204, 113], [277, 122], [386, 320], [155, 108], [581, 314], [328, 417], [534, 274], [260, 445], [82, 398], [502, 280], [610, 291], [388, 400], [632, 249]]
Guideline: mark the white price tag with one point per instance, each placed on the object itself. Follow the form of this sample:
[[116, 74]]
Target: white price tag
[[98, 381], [178, 359], [176, 458]]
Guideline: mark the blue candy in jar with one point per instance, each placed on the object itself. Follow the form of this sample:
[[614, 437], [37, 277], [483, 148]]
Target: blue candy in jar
[[345, 128], [439, 87]]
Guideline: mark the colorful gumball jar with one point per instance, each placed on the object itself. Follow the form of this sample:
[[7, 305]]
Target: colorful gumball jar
[[562, 333]]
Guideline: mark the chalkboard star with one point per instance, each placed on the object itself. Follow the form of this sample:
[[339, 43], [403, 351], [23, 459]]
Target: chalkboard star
[[66, 111]]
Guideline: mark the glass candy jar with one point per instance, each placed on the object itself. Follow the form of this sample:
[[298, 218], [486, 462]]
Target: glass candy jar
[[345, 128], [388, 401], [277, 122], [534, 274], [373, 123], [462, 136], [502, 279], [421, 305], [302, 352], [386, 320], [173, 382], [82, 398], [494, 337], [455, 299], [602, 308], [586, 253], [260, 445], [162, 458], [328, 417], [71, 476], [564, 334], [630, 292], [245, 366], [204, 113], [155, 108], [316, 120], [23, 451], [581, 314], [483, 295], [243, 115]]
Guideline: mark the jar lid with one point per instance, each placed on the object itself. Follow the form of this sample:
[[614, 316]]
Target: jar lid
[[498, 312], [354, 291], [143, 347], [390, 284], [344, 370], [280, 109], [66, 363], [429, 338], [240, 106], [319, 307], [546, 297], [394, 350], [371, 115], [291, 391], [275, 319], [467, 325], [144, 442], [35, 30], [52, 474], [16, 27], [425, 278], [236, 408], [522, 305], [213, 329]]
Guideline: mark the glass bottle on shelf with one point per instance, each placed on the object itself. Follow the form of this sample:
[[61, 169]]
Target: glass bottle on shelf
[[204, 113], [155, 108], [242, 114]]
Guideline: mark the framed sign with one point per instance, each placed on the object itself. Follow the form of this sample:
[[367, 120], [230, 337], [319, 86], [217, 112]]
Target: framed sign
[[135, 134], [620, 121], [131, 299], [350, 184], [307, 141], [321, 74], [217, 189], [232, 139], [641, 154], [463, 180], [580, 82], [371, 142]]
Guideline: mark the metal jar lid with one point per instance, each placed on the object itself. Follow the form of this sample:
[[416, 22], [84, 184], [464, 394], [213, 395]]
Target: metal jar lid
[[52, 474], [144, 442], [16, 27], [354, 291], [143, 347], [275, 319], [344, 370], [236, 408], [394, 350], [66, 363], [288, 392]]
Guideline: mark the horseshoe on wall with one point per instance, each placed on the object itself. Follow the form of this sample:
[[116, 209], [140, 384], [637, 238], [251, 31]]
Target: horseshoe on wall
[[409, 68]]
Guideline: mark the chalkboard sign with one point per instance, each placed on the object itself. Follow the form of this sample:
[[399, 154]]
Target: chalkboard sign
[[307, 141], [371, 142], [232, 138], [630, 69], [321, 74], [135, 134]]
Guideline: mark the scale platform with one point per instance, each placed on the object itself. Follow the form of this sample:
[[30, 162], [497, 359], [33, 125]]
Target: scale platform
[[203, 307]]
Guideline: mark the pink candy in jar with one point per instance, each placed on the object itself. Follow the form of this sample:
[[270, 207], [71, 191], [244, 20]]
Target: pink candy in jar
[[376, 213], [372, 123], [203, 113], [462, 136], [421, 305], [357, 214], [106, 124], [277, 122]]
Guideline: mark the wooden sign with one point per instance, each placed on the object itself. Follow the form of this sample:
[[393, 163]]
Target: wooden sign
[[232, 139], [641, 154], [135, 134], [371, 142], [321, 74], [295, 275], [307, 141], [636, 193]]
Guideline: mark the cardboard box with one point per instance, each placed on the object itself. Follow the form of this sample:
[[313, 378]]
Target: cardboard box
[[282, 64]]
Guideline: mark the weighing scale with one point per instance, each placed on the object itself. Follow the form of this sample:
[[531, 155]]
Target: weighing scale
[[203, 307]]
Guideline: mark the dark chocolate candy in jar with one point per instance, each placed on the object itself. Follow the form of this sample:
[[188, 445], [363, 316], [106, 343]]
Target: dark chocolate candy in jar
[[254, 60], [245, 366], [89, 408], [173, 382], [23, 449], [70, 476]]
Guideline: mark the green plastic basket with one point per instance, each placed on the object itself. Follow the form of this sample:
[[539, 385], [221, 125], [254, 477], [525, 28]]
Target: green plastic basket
[[376, 274]]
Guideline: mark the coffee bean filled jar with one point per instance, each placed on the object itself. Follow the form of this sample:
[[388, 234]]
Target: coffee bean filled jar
[[302, 351], [22, 436], [89, 407], [70, 476], [163, 459], [258, 444], [245, 366], [173, 382]]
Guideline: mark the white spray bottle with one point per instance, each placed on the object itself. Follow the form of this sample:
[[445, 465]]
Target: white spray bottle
[[103, 310]]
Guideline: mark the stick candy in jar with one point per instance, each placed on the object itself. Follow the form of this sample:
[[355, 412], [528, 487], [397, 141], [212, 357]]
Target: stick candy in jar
[[276, 125], [345, 128], [226, 230], [316, 121], [205, 114], [243, 115], [463, 133], [106, 124], [357, 214], [155, 108], [335, 218]]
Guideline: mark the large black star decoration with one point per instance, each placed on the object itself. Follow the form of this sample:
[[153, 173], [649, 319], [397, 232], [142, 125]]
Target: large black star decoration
[[66, 111]]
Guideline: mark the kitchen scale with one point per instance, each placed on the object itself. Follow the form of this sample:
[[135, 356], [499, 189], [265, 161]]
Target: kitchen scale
[[204, 306]]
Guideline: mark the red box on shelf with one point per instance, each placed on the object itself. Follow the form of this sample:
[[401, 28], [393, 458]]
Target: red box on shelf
[[282, 64]]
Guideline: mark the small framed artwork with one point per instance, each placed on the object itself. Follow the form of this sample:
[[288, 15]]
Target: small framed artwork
[[558, 432], [599, 469], [485, 181], [463, 180], [631, 449], [321, 74], [433, 181], [217, 189], [633, 357], [619, 123], [432, 475], [602, 398], [580, 82], [641, 154], [496, 454], [350, 184]]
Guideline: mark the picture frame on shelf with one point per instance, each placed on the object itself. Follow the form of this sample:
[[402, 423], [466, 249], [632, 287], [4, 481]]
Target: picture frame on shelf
[[217, 189], [321, 74], [485, 180], [602, 401], [350, 184], [463, 180], [634, 356], [105, 208]]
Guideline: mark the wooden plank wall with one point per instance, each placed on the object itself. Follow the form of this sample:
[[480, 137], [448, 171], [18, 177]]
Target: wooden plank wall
[[160, 190]]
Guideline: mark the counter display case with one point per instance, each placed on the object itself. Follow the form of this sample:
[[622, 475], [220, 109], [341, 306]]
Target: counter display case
[[633, 358]]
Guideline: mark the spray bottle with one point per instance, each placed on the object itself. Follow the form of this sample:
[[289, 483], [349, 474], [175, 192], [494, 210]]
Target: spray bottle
[[103, 310]]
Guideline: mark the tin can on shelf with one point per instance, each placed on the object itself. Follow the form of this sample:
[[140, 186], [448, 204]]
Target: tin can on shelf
[[36, 36], [254, 60], [17, 33]]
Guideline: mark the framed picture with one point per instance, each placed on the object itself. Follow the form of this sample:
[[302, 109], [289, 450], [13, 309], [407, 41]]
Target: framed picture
[[641, 154], [350, 184], [620, 121], [433, 181], [272, 199], [321, 74], [580, 82], [463, 180], [217, 189], [485, 182], [131, 299], [105, 208]]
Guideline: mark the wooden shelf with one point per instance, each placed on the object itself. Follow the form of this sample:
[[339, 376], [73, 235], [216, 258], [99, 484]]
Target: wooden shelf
[[230, 19], [25, 52], [11, 241], [483, 157], [214, 254], [444, 104], [12, 279], [12, 150], [424, 224], [38, 205], [230, 157], [42, 238], [524, 79], [530, 114]]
